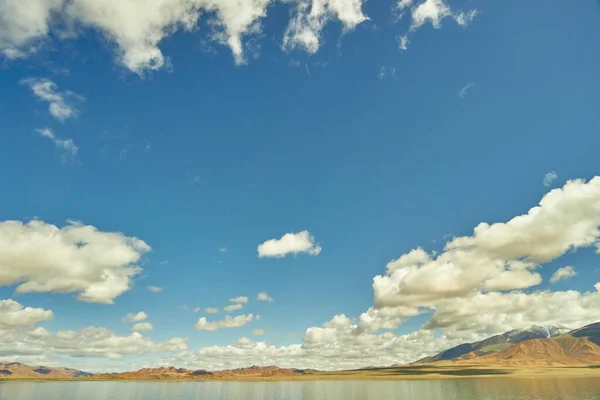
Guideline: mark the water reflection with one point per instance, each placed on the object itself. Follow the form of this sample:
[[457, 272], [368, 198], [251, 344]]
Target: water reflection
[[464, 389]]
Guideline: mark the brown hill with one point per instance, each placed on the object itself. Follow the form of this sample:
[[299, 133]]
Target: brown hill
[[563, 350], [17, 370], [166, 373]]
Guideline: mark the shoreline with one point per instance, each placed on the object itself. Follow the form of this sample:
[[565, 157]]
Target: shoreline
[[380, 374]]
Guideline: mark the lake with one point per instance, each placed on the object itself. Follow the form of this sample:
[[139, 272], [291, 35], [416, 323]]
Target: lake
[[460, 389]]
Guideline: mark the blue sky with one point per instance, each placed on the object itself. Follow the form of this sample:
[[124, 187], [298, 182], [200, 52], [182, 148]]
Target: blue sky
[[374, 150]]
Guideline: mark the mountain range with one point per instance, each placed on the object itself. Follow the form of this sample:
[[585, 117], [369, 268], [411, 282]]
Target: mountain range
[[536, 345], [18, 370]]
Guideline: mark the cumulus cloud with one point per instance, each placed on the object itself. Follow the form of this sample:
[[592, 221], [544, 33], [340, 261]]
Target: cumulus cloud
[[138, 317], [66, 145], [495, 312], [13, 314], [563, 273], [228, 322], [233, 307], [497, 257], [21, 28], [211, 310], [142, 327], [290, 243], [154, 289], [258, 332], [433, 11], [304, 30], [263, 296], [239, 299], [60, 103], [76, 258], [549, 178]]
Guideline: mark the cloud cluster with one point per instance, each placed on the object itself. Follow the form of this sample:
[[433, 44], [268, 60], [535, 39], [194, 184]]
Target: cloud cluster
[[497, 257], [18, 336], [472, 290], [60, 103], [137, 27], [228, 322], [77, 258], [290, 243], [304, 30]]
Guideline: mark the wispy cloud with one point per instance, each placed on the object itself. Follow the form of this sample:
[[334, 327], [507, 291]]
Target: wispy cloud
[[549, 178], [61, 103], [155, 289], [67, 146], [462, 93]]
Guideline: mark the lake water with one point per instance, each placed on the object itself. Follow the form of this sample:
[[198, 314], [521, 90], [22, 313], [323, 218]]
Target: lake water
[[463, 389]]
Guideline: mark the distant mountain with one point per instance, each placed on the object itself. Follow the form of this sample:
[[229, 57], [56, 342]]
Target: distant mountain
[[536, 345], [498, 342], [171, 373], [562, 350], [18, 370]]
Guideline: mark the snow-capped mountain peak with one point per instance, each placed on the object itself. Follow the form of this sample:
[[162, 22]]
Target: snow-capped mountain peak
[[536, 332]]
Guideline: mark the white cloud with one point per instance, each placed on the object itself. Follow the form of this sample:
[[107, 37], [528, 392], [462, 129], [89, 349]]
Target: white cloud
[[22, 27], [462, 93], [304, 30], [402, 4], [263, 296], [61, 107], [66, 145], [494, 312], [138, 26], [549, 178], [41, 257], [13, 314], [290, 243], [465, 18], [239, 299], [228, 322], [138, 317], [142, 327], [501, 256], [259, 332], [563, 273], [233, 307], [18, 337], [433, 11], [155, 289], [223, 249], [211, 310]]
